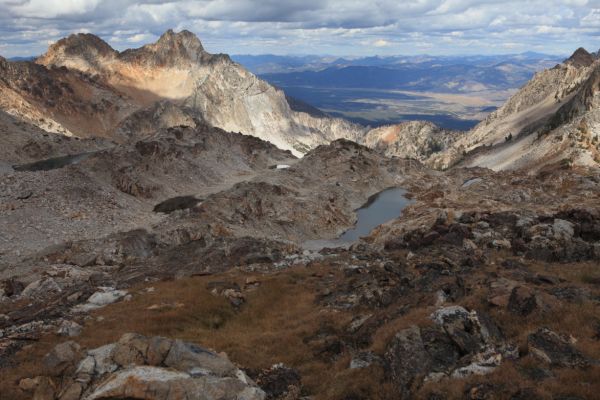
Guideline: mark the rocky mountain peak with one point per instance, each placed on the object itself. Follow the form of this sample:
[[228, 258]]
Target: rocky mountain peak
[[581, 58], [171, 49], [81, 45], [184, 38]]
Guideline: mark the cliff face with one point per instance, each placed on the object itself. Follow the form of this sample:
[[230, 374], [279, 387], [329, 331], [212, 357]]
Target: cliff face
[[420, 140], [211, 87]]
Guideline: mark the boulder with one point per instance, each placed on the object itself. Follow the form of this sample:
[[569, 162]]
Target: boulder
[[407, 359], [563, 230], [69, 329], [196, 360], [555, 349], [154, 383], [460, 327], [280, 382], [103, 297], [62, 358], [138, 367], [523, 301], [500, 292], [131, 349], [41, 288]]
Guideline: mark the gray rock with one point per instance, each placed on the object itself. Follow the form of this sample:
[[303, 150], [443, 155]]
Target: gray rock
[[196, 360], [364, 360], [408, 360], [69, 328], [103, 362], [153, 383], [103, 297], [563, 230], [41, 288], [62, 358], [555, 349]]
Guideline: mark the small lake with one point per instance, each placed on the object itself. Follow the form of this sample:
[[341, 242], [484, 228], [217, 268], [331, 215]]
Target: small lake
[[379, 209]]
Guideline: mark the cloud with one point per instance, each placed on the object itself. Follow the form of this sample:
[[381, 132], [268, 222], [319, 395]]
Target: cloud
[[339, 27], [381, 43]]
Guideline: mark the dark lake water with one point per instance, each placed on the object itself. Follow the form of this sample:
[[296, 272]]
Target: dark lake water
[[52, 163], [379, 209]]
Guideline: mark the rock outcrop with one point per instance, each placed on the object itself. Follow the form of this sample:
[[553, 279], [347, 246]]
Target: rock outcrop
[[139, 367], [415, 139]]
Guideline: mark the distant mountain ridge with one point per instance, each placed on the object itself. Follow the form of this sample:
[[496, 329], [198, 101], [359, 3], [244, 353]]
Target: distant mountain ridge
[[270, 63], [452, 75]]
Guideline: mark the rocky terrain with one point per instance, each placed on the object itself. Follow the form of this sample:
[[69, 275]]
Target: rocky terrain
[[551, 120], [148, 253], [415, 139]]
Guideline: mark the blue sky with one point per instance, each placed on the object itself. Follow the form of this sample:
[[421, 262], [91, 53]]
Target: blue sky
[[335, 27]]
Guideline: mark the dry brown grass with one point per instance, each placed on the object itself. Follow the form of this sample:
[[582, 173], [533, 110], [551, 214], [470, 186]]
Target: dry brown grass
[[279, 315], [268, 329], [419, 317]]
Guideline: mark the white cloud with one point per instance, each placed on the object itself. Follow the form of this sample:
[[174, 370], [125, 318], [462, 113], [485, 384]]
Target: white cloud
[[52, 8], [381, 43], [343, 27]]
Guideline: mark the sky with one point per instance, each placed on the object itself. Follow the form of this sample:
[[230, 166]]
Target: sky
[[327, 27]]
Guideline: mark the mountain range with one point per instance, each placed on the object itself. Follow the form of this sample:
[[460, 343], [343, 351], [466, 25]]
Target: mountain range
[[82, 87], [455, 92], [172, 226]]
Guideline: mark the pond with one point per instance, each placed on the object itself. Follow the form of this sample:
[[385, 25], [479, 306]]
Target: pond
[[379, 209], [52, 163]]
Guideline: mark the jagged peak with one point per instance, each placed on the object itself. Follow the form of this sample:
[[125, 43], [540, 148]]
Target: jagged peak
[[81, 44], [171, 37], [581, 58], [171, 49]]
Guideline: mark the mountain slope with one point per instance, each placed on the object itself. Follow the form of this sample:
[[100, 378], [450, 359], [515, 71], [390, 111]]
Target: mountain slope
[[552, 118], [177, 69]]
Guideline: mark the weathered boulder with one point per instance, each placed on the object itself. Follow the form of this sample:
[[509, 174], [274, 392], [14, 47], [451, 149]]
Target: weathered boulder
[[62, 358], [280, 382], [153, 383], [101, 298], [522, 301], [408, 359], [69, 328], [41, 288], [138, 367], [555, 349], [196, 360]]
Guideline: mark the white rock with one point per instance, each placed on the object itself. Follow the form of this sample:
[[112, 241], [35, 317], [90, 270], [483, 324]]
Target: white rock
[[103, 362], [439, 315], [100, 299], [69, 328]]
